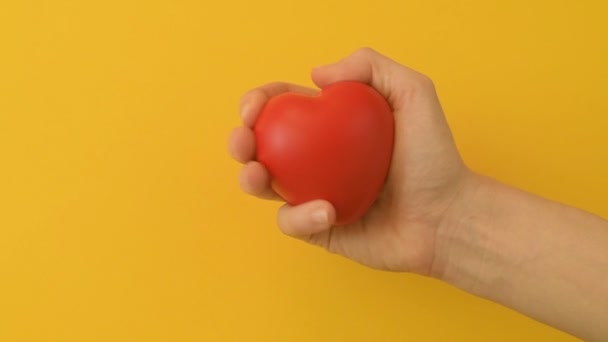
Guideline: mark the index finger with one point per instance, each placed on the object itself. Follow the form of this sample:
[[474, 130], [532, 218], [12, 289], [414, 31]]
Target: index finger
[[253, 101]]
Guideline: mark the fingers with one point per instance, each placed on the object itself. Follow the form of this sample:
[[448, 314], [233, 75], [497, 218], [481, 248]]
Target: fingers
[[254, 178], [256, 181], [365, 65], [307, 219], [241, 144], [253, 101]]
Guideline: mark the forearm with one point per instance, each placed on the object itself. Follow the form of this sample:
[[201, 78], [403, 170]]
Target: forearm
[[541, 258]]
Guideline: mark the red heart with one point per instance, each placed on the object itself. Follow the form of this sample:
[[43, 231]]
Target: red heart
[[336, 146]]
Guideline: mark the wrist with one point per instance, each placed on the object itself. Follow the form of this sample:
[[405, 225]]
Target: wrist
[[462, 235]]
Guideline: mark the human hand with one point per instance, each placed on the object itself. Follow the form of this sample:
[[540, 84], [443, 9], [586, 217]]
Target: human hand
[[435, 217], [399, 231]]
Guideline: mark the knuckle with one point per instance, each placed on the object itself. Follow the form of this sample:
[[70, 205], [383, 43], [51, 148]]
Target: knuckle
[[366, 52], [424, 82], [418, 82]]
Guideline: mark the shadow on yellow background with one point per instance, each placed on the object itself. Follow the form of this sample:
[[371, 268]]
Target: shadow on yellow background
[[120, 214]]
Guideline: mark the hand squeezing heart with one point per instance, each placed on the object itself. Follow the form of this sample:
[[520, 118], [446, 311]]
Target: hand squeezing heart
[[336, 146]]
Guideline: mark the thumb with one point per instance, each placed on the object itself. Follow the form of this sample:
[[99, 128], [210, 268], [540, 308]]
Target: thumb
[[307, 219], [366, 65]]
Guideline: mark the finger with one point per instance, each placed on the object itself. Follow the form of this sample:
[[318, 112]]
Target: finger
[[253, 101], [241, 144], [307, 219], [255, 180], [366, 65]]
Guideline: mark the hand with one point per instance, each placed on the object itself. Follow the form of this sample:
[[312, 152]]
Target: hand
[[435, 217], [427, 174]]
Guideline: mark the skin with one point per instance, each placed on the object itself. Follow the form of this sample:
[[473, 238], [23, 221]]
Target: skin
[[438, 218]]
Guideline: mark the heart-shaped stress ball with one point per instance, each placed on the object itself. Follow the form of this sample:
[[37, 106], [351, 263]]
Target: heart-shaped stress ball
[[336, 146]]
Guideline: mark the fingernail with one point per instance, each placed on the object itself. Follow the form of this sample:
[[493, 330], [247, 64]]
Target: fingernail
[[320, 216]]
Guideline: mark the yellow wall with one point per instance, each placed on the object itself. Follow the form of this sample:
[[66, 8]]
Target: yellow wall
[[120, 214]]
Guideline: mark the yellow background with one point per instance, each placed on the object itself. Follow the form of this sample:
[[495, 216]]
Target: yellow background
[[120, 214]]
